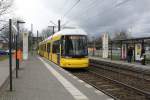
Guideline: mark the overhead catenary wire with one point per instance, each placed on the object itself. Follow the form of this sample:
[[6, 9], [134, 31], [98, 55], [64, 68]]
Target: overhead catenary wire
[[64, 5], [53, 23], [115, 6], [90, 6], [109, 10], [70, 9], [121, 3]]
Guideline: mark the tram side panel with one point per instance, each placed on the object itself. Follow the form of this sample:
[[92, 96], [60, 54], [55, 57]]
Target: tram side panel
[[74, 62]]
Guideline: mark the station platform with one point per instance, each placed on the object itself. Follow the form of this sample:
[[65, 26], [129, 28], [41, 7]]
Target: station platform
[[40, 79], [125, 65], [4, 70]]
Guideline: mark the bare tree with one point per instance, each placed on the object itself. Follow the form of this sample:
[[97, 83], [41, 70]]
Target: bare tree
[[121, 35], [5, 6], [4, 31], [46, 32]]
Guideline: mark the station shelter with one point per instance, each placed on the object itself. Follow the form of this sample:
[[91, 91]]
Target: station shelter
[[137, 44]]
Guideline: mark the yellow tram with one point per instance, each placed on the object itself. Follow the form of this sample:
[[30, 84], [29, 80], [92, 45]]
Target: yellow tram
[[67, 48]]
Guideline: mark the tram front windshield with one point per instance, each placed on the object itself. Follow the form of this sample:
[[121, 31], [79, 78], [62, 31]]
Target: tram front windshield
[[75, 46]]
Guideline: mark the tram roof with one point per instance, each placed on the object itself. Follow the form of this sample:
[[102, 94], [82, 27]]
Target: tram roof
[[67, 32], [71, 32]]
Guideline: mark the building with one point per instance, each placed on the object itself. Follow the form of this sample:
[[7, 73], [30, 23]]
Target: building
[[3, 43]]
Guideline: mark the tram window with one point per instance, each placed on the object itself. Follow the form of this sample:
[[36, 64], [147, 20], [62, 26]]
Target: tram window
[[44, 47], [56, 47], [40, 47], [63, 45], [48, 47], [75, 46]]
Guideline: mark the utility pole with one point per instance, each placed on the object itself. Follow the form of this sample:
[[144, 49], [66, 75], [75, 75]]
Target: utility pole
[[59, 27], [37, 36], [37, 39], [93, 46], [14, 41], [10, 54], [17, 50], [31, 38], [53, 29]]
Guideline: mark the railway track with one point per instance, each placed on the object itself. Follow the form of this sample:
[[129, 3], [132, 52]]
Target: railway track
[[120, 86], [129, 77]]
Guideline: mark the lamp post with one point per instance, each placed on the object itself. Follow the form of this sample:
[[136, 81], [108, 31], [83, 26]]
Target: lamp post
[[11, 26], [59, 26], [93, 46], [10, 54], [17, 38], [37, 41]]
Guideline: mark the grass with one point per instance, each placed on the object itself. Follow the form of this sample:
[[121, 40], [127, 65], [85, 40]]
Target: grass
[[3, 57]]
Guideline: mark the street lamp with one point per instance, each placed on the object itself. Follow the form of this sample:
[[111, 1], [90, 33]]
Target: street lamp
[[10, 54], [11, 26], [17, 38]]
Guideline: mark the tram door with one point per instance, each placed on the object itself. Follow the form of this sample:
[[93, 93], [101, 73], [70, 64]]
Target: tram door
[[58, 54], [48, 49]]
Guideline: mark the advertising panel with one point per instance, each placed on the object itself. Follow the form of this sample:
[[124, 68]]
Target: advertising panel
[[124, 51], [138, 48]]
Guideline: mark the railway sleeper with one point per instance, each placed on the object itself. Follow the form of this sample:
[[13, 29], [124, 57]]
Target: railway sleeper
[[125, 67], [133, 75]]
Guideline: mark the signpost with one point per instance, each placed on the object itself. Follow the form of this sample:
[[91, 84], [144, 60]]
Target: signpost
[[10, 53], [25, 46], [105, 45]]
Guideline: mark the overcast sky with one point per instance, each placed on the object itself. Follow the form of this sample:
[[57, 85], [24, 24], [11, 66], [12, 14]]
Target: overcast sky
[[94, 16]]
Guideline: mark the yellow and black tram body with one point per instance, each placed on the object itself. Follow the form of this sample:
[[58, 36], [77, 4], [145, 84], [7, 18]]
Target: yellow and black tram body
[[67, 48]]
